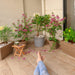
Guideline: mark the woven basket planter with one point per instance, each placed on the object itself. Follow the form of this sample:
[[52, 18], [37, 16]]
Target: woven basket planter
[[6, 50], [68, 48]]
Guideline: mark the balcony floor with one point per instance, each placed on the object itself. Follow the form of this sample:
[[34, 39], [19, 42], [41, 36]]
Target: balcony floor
[[56, 61]]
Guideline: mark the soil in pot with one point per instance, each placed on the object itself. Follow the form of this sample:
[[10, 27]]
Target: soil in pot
[[39, 41]]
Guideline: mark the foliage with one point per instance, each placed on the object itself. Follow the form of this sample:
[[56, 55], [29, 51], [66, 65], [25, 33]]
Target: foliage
[[55, 24], [23, 28], [69, 34], [41, 22], [5, 33], [55, 41]]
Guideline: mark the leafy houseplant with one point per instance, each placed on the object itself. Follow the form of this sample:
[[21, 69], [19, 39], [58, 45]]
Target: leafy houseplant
[[5, 45], [23, 28], [55, 25], [5, 33], [40, 22], [69, 35]]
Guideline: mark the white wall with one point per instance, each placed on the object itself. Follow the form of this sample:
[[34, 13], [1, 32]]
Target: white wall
[[10, 11], [55, 6], [33, 6]]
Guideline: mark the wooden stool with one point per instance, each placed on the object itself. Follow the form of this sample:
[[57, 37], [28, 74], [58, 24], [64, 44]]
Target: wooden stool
[[19, 49]]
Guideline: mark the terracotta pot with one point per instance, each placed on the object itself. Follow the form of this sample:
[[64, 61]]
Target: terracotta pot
[[6, 50], [55, 46]]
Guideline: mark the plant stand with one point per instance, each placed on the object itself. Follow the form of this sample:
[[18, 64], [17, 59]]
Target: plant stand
[[68, 48], [18, 49], [5, 50]]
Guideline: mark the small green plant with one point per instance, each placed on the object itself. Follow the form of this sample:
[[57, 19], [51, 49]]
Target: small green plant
[[5, 33], [23, 28], [41, 22], [69, 35]]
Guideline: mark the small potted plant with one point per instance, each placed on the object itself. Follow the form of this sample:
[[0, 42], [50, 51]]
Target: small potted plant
[[6, 44], [55, 25], [40, 22], [22, 29], [69, 35]]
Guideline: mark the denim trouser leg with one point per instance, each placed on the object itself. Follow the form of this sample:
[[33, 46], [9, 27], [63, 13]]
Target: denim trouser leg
[[41, 69], [37, 71]]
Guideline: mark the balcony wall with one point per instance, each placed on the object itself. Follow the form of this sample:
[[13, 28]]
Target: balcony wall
[[10, 11]]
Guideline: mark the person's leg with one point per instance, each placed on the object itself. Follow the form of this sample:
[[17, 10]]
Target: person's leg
[[42, 67], [37, 71]]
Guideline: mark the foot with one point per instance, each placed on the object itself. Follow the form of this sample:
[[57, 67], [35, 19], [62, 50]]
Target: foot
[[40, 58]]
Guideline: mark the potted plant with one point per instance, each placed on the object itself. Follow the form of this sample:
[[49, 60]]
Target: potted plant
[[55, 25], [40, 22], [22, 29], [69, 35], [68, 44], [5, 44]]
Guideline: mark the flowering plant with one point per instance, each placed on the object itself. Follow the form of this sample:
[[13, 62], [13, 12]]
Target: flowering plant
[[41, 22], [23, 28], [5, 33], [55, 24]]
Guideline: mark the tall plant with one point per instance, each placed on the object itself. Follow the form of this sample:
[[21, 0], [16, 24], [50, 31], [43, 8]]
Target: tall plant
[[41, 22]]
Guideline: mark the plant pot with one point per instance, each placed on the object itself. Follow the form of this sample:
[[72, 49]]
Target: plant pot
[[53, 45], [68, 48], [39, 41], [5, 49]]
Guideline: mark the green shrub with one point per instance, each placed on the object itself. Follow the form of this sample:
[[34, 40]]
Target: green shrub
[[5, 33], [69, 35]]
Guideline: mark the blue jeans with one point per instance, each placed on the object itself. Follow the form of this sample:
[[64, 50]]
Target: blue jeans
[[41, 69]]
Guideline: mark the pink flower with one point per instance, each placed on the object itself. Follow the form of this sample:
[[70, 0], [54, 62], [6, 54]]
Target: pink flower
[[51, 22], [52, 19], [62, 19], [56, 25], [30, 30], [57, 17], [27, 20], [19, 29], [16, 30], [53, 15], [46, 25], [23, 15], [27, 27], [24, 58], [25, 30], [20, 25]]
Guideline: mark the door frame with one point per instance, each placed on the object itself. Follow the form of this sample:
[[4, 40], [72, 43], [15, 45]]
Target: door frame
[[65, 14]]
